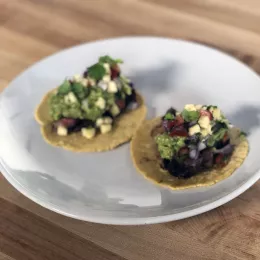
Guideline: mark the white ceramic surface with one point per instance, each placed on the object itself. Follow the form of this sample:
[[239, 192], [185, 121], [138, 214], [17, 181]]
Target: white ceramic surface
[[105, 187]]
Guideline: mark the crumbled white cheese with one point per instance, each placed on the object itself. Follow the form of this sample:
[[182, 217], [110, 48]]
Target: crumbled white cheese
[[106, 78], [105, 128], [62, 131], [101, 103], [88, 133], [84, 82], [204, 122], [77, 78], [114, 110], [92, 82], [85, 105], [112, 88], [198, 107], [72, 98], [194, 129], [102, 85], [216, 114], [190, 107], [66, 99], [108, 120], [107, 67], [204, 132], [99, 122]]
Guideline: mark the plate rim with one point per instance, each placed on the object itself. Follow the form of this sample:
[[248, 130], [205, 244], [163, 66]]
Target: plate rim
[[130, 220]]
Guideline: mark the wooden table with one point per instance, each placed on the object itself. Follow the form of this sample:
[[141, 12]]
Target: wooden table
[[32, 29]]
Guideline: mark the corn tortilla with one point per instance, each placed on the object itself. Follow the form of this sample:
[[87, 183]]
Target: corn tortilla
[[123, 129], [146, 160]]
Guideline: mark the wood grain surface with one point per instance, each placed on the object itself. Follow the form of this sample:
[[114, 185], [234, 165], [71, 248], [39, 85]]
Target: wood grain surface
[[32, 29]]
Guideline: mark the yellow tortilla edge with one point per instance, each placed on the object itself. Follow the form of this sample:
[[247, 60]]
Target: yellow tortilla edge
[[126, 125], [133, 146]]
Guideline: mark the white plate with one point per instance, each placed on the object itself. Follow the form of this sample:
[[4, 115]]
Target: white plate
[[105, 187]]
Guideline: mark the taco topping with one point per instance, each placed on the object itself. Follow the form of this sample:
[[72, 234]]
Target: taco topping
[[90, 103], [195, 140]]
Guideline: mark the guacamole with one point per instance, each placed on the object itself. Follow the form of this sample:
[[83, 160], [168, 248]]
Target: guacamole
[[168, 146]]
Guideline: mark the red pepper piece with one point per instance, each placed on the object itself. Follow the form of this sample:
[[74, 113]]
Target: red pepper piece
[[179, 131], [179, 121], [170, 124], [225, 138], [219, 159], [115, 70], [183, 151], [206, 113], [120, 103], [68, 122]]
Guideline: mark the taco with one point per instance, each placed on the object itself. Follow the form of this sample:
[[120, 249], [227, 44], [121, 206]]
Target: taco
[[97, 111], [197, 147]]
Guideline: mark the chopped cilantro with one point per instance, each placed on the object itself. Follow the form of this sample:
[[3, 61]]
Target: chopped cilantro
[[211, 141], [220, 124], [97, 71], [190, 115], [243, 133], [109, 60], [124, 80], [169, 116], [216, 137], [220, 134], [209, 107], [64, 88]]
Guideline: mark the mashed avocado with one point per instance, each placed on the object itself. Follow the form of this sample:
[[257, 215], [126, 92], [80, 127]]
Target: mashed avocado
[[59, 109], [168, 146], [73, 100]]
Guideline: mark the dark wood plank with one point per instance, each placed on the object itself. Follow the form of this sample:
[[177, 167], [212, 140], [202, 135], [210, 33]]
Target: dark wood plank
[[26, 236]]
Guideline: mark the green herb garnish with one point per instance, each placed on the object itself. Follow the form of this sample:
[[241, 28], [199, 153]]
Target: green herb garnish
[[169, 116], [190, 116], [96, 71], [64, 88], [211, 141], [243, 133], [109, 60], [209, 107], [220, 134]]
